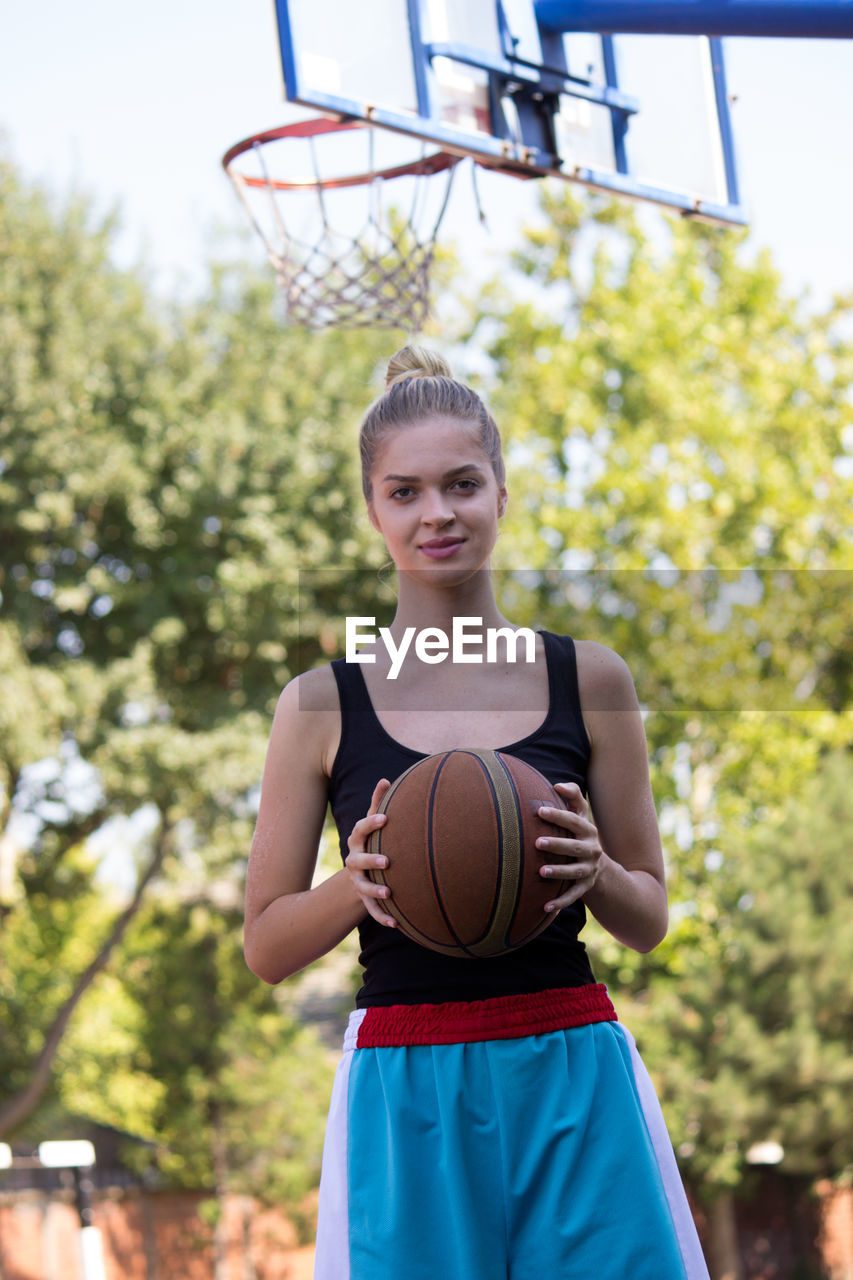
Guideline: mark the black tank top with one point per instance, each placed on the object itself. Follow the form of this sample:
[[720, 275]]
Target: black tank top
[[399, 971]]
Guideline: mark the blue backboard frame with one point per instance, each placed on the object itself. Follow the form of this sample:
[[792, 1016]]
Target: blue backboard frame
[[535, 90], [806, 19]]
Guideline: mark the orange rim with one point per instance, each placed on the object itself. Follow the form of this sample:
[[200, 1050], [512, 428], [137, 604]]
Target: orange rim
[[438, 162]]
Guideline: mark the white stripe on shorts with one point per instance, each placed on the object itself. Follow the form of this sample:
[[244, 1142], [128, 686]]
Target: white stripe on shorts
[[331, 1260], [685, 1229]]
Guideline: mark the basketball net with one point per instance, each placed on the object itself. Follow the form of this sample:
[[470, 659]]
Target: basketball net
[[377, 274]]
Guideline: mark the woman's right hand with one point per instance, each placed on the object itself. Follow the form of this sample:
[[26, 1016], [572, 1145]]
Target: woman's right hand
[[358, 861]]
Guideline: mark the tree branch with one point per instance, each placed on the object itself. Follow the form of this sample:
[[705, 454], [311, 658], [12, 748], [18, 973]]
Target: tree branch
[[16, 1109]]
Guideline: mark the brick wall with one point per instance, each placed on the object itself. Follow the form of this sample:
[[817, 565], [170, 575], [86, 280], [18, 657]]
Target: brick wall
[[779, 1228], [782, 1229], [837, 1230], [147, 1236]]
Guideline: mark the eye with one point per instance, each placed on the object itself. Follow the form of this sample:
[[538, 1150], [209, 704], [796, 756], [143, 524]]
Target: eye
[[402, 493], [467, 485]]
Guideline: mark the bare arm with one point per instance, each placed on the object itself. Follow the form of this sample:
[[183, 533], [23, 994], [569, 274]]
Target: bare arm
[[287, 923], [619, 868]]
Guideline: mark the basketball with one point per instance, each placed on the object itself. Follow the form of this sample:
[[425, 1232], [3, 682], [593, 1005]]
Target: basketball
[[463, 867]]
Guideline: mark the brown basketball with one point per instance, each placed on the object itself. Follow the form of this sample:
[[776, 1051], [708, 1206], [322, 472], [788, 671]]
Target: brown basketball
[[463, 867]]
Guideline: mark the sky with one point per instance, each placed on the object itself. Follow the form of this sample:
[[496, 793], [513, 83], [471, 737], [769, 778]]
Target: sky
[[135, 106]]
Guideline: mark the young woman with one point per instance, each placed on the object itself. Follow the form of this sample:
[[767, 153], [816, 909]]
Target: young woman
[[491, 1119]]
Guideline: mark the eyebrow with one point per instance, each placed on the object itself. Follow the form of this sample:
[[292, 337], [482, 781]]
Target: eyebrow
[[448, 475]]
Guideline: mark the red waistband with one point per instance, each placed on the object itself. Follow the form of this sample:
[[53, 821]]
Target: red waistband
[[501, 1018]]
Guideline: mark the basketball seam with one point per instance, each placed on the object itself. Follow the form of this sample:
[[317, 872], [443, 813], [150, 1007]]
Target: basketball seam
[[433, 873], [519, 879], [509, 843], [376, 874]]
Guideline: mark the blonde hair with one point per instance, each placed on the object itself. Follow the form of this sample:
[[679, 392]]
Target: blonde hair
[[418, 385]]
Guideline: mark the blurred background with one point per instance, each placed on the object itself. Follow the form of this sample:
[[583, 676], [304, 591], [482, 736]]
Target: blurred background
[[182, 531]]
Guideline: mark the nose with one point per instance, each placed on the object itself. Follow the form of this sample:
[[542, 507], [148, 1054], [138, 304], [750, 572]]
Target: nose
[[437, 509]]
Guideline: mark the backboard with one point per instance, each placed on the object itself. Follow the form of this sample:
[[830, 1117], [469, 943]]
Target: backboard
[[646, 116]]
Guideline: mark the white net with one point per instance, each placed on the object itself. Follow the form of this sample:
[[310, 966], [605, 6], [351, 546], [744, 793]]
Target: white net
[[352, 240]]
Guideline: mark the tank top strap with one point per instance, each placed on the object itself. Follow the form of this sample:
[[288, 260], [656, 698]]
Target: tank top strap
[[356, 707], [563, 675]]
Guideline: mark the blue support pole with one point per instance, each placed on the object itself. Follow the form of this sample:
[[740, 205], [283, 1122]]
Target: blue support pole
[[288, 54], [721, 97], [423, 71], [618, 119], [826, 19]]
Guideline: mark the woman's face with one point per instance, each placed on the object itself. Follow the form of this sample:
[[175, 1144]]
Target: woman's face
[[435, 497]]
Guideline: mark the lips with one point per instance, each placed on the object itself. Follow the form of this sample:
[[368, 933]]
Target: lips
[[441, 548]]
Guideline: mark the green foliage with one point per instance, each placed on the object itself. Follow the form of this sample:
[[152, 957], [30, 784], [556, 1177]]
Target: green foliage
[[680, 436], [168, 477], [49, 936], [165, 479], [764, 1023], [182, 531], [669, 399], [201, 1059]]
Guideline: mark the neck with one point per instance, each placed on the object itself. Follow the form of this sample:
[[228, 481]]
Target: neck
[[424, 602]]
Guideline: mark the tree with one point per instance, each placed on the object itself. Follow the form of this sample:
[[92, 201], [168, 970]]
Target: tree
[[680, 436], [201, 1059], [778, 1011], [752, 1041], [167, 477]]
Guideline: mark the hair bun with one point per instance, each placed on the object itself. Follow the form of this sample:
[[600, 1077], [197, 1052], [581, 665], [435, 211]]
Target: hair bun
[[415, 362]]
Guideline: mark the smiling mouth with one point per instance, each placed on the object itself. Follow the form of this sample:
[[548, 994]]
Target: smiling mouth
[[440, 548]]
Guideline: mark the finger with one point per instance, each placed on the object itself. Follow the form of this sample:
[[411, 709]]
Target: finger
[[359, 861], [378, 792], [566, 899], [362, 831], [573, 844], [368, 887], [360, 864], [582, 876], [573, 796], [363, 860], [567, 871], [559, 817], [372, 895], [374, 909]]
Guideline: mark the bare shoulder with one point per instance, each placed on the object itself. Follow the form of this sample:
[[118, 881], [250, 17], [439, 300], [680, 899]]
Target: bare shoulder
[[314, 690], [308, 715], [604, 679]]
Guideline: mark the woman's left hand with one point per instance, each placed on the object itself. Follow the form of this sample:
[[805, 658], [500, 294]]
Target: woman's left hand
[[573, 860]]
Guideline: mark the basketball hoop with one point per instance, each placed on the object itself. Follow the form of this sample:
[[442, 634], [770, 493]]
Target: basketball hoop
[[330, 276]]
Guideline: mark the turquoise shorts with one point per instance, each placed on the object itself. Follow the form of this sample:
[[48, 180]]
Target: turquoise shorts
[[483, 1142]]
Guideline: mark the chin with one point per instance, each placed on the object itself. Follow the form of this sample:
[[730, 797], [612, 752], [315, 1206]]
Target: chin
[[445, 575]]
